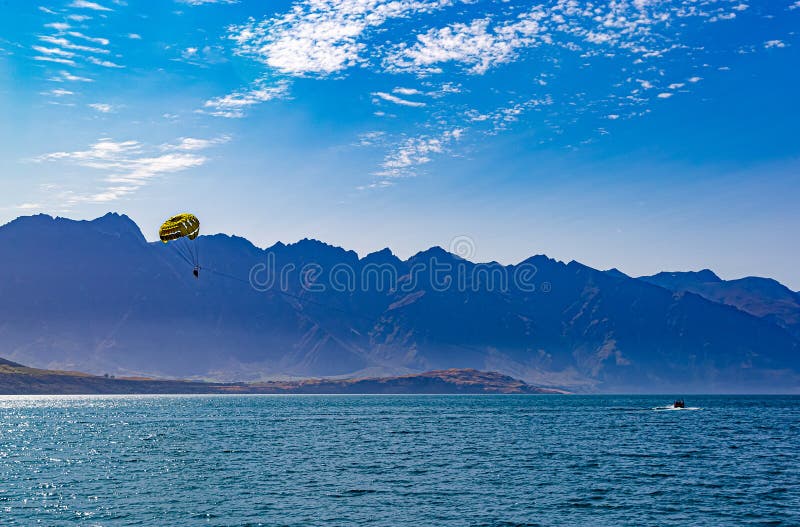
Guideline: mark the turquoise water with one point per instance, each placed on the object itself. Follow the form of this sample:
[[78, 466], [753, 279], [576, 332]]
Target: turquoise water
[[398, 460]]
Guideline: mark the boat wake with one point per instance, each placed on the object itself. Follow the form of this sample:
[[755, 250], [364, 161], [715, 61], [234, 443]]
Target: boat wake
[[670, 407]]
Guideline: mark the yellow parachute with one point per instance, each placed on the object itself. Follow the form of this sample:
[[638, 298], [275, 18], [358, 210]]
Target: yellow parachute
[[180, 230], [179, 226]]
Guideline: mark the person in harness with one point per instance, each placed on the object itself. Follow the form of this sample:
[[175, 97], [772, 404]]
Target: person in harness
[[181, 231]]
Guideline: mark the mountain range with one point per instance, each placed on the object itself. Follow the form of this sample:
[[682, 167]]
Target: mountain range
[[95, 296]]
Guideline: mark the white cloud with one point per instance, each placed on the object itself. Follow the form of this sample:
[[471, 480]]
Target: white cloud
[[205, 2], [502, 117], [665, 95], [406, 91], [695, 79], [774, 44], [58, 92], [396, 100], [416, 151], [67, 44], [795, 5], [190, 144], [57, 60], [53, 51], [134, 36], [129, 165], [486, 42], [29, 206], [96, 40], [102, 107], [203, 56], [89, 5], [382, 183], [235, 104], [104, 63], [476, 44], [58, 26], [67, 76], [103, 150], [320, 37], [373, 138]]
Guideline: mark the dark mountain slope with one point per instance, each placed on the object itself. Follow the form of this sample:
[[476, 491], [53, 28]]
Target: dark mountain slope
[[761, 297]]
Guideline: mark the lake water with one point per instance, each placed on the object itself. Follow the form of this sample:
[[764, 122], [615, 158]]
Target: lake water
[[398, 460]]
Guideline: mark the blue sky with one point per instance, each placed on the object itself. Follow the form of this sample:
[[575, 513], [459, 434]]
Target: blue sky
[[646, 135]]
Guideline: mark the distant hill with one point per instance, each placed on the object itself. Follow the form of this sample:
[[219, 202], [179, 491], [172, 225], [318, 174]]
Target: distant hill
[[94, 296], [762, 297], [21, 380]]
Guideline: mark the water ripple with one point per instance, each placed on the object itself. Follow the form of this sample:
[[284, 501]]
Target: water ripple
[[398, 460]]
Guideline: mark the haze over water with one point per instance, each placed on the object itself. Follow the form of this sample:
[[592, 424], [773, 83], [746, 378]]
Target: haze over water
[[398, 460]]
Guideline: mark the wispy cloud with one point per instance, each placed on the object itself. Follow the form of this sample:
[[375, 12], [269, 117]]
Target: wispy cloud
[[67, 76], [774, 44], [206, 2], [235, 104], [58, 92], [373, 138], [406, 91], [70, 46], [102, 107], [53, 51], [203, 56], [129, 165], [501, 118], [58, 26], [191, 144], [29, 206], [416, 151], [397, 100], [83, 4], [96, 40], [104, 63], [67, 44], [56, 60]]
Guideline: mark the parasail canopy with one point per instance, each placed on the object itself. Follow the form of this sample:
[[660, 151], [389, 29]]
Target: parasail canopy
[[180, 226]]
